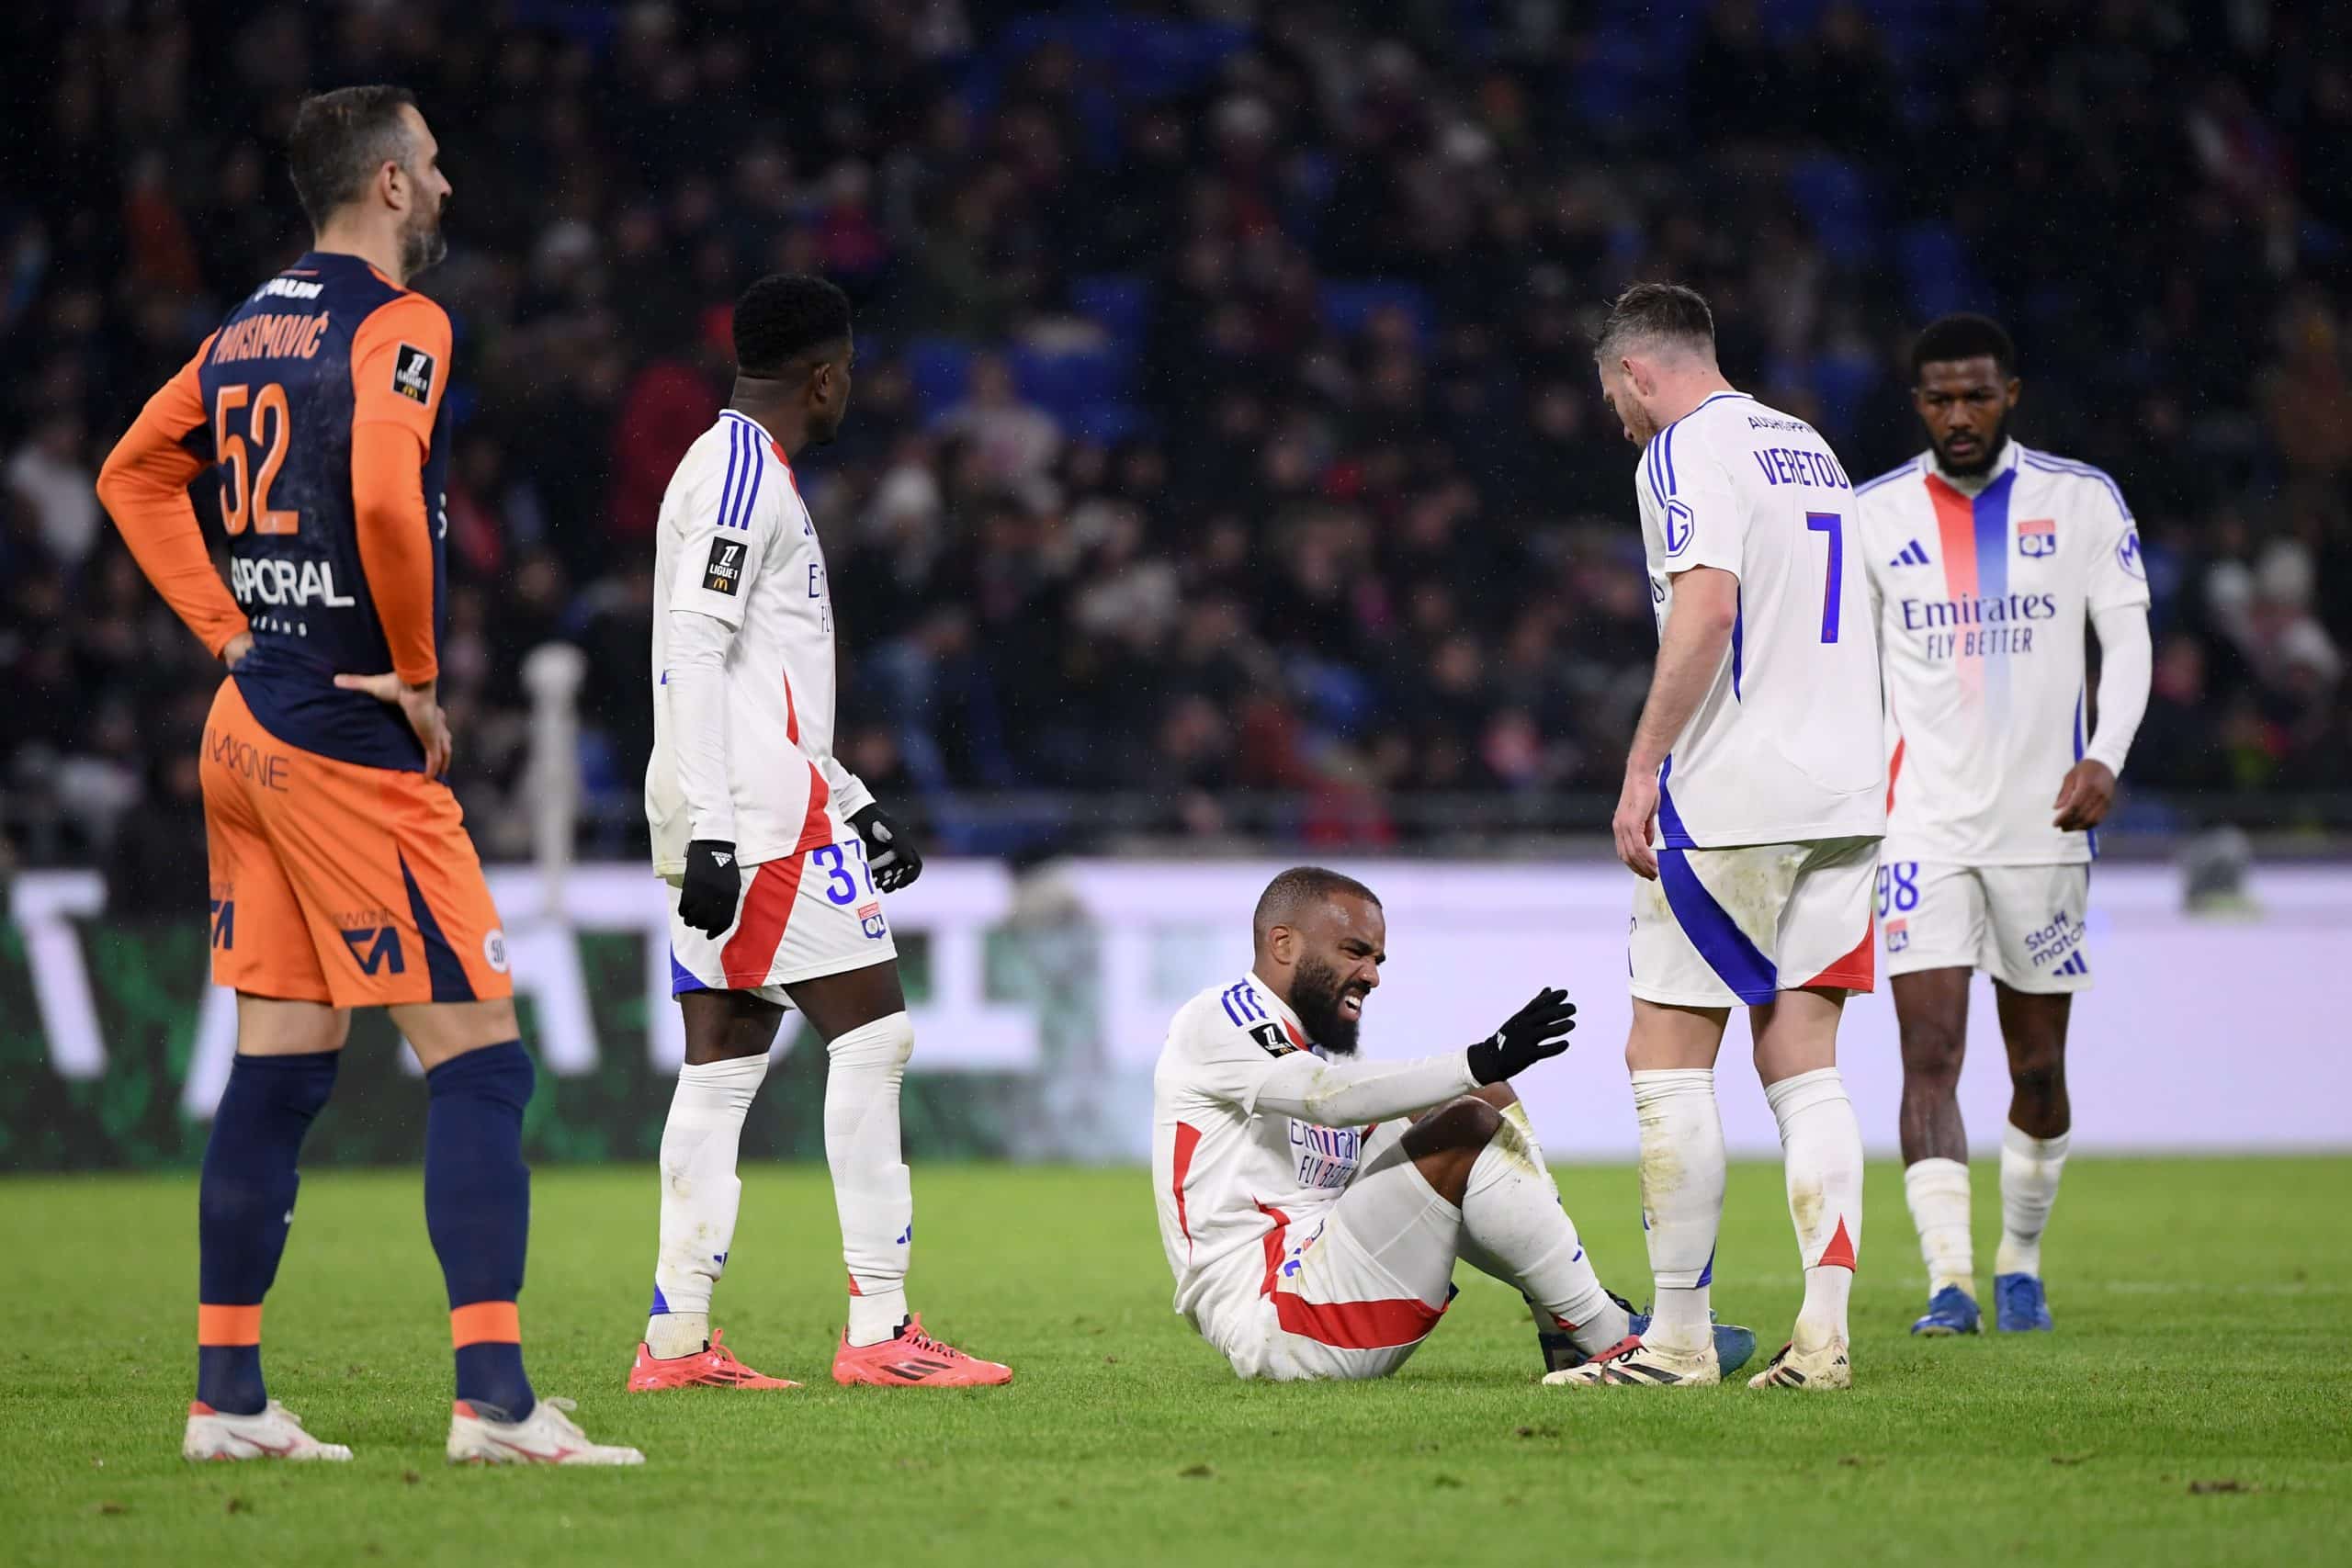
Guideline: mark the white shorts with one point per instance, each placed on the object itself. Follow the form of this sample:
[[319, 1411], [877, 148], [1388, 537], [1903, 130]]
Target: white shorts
[[1723, 927], [2021, 924], [809, 915], [1352, 1291]]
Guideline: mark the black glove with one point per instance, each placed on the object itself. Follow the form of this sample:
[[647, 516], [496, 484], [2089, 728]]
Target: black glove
[[1536, 1032], [890, 855], [714, 882]]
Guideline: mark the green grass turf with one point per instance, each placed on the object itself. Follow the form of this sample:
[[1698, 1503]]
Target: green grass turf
[[2201, 1307]]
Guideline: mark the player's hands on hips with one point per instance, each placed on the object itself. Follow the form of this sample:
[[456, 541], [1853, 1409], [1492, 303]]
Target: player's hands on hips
[[2084, 799], [1535, 1032], [234, 651], [890, 855], [713, 884], [1636, 809], [419, 705]]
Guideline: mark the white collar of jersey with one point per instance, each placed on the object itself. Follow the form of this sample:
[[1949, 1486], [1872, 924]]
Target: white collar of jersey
[[747, 419], [1282, 1009], [1974, 484]]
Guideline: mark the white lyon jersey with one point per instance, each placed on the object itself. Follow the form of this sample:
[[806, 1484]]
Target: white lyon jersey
[[1785, 747], [1252, 1134], [736, 543], [1982, 601]]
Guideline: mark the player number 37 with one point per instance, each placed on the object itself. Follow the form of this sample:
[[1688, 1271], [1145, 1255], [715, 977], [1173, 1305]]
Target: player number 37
[[247, 472]]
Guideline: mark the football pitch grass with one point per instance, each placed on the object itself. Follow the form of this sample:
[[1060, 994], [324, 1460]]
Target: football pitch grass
[[2194, 1406]]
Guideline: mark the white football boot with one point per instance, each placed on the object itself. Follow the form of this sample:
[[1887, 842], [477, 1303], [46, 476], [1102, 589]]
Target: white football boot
[[547, 1435], [1634, 1364], [276, 1433], [1824, 1366]]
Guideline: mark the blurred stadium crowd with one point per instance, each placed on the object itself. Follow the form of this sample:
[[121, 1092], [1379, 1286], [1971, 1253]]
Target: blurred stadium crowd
[[1224, 419]]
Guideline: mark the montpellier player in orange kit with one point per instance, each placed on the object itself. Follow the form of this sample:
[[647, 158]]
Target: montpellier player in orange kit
[[342, 875]]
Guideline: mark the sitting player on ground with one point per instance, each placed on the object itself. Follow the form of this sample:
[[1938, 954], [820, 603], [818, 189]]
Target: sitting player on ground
[[773, 852], [1312, 1207], [1987, 558], [342, 875]]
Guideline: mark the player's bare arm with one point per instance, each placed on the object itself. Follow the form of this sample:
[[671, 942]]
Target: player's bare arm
[[1690, 650]]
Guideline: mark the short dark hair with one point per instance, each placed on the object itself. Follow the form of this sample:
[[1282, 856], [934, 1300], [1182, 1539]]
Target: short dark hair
[[784, 317], [1664, 312], [340, 140], [1292, 891], [1963, 336]]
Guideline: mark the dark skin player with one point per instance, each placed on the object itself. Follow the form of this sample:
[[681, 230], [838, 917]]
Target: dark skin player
[[1965, 405], [1323, 957], [803, 406]]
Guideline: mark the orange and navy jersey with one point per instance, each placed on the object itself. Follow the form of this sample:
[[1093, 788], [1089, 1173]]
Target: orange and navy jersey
[[319, 405]]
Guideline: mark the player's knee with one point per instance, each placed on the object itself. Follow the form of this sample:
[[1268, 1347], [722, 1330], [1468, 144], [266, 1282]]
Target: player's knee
[[442, 1032], [1469, 1125], [1476, 1121], [887, 1043], [2039, 1074], [1933, 1051]]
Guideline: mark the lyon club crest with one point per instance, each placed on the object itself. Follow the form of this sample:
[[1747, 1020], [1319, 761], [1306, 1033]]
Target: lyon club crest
[[2037, 536]]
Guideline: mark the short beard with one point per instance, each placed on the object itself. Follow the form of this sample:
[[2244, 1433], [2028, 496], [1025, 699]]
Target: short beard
[[1984, 465], [1315, 992], [422, 248]]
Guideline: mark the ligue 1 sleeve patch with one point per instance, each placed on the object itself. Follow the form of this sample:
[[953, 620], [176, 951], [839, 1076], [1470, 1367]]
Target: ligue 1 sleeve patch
[[1270, 1036], [725, 573], [413, 373]]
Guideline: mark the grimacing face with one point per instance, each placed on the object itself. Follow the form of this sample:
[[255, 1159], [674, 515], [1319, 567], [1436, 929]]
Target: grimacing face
[[1341, 943], [1965, 405]]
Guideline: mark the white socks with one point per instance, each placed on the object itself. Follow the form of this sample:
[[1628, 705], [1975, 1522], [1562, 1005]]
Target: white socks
[[1515, 1229], [1683, 1198], [700, 1194], [1937, 1190], [871, 1192], [2030, 1171], [1821, 1143]]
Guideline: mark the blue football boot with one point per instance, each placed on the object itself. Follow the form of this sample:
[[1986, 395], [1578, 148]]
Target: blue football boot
[[2018, 1305], [1950, 1311]]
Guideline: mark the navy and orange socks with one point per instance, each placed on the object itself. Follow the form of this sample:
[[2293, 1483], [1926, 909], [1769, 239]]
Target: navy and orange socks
[[478, 1212], [245, 1207]]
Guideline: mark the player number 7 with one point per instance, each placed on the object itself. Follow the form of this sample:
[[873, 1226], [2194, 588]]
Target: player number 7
[[1829, 523]]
